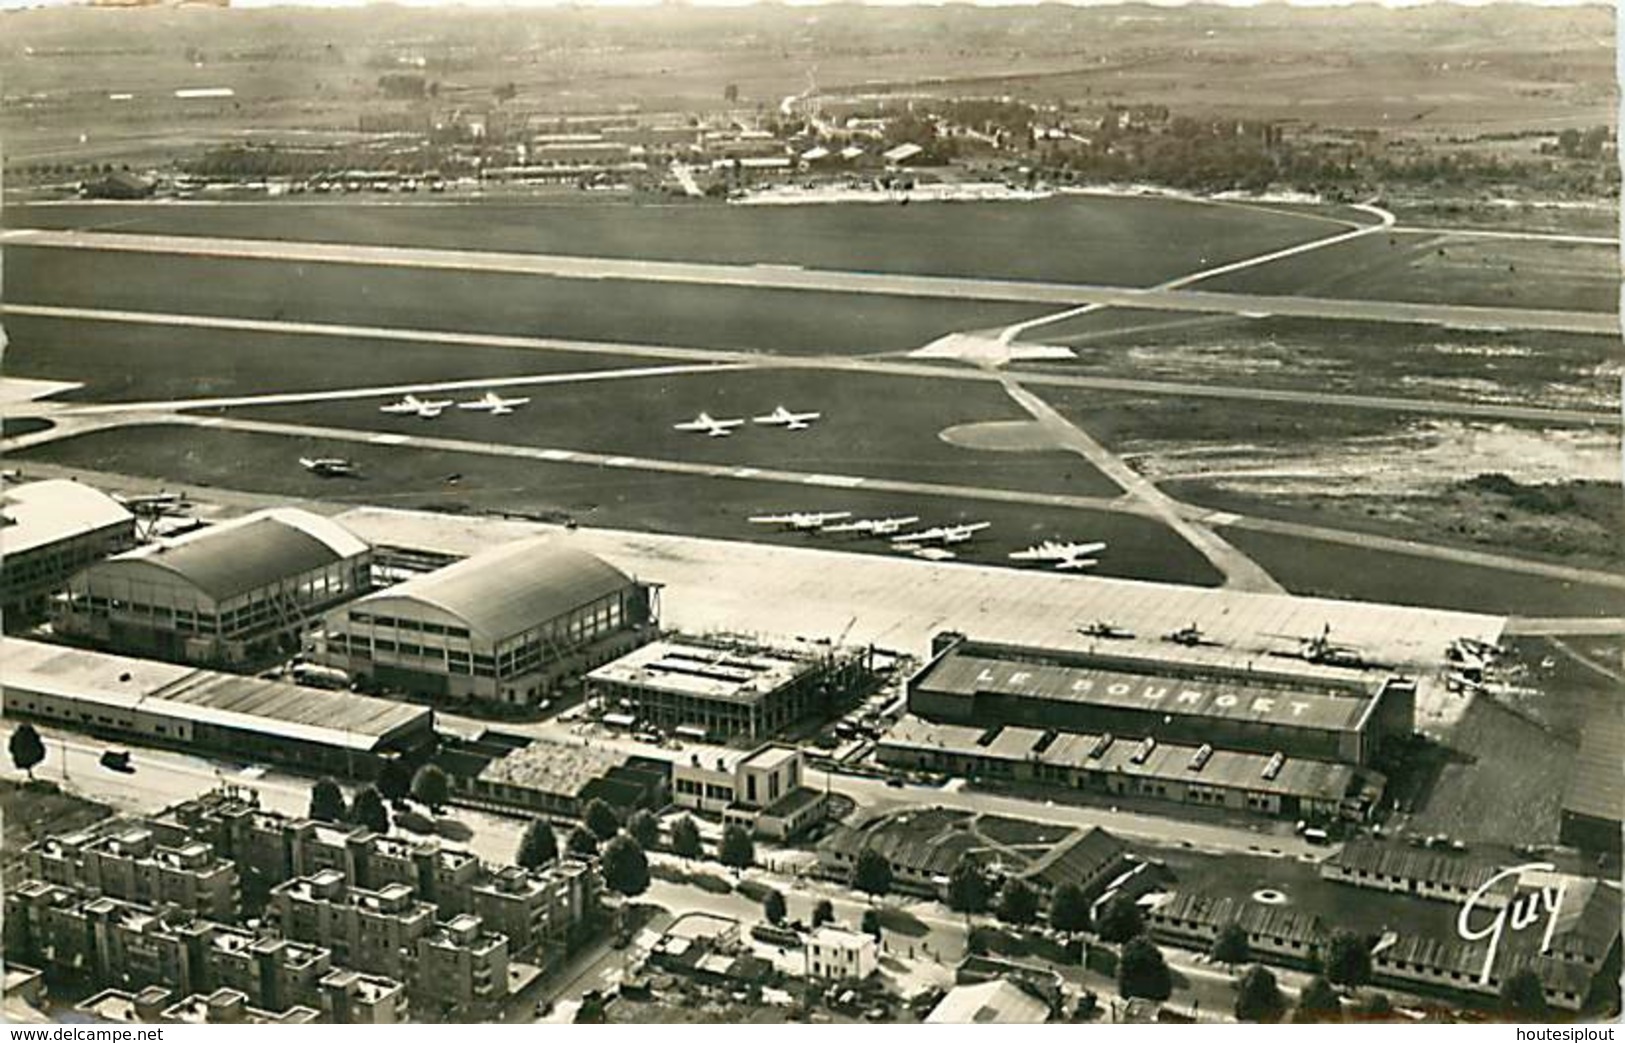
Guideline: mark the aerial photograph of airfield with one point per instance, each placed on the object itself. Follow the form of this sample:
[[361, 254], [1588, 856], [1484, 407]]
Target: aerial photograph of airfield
[[1112, 339]]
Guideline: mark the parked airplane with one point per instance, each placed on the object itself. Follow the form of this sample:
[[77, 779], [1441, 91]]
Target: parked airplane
[[153, 503], [710, 425], [801, 521], [870, 526], [411, 405], [781, 417], [1190, 637], [944, 534], [1064, 556], [1319, 649], [1107, 629], [494, 404], [328, 466]]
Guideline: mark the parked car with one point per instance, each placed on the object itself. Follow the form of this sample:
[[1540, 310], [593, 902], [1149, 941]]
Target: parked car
[[117, 760]]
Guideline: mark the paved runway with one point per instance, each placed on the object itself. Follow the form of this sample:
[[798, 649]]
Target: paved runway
[[897, 367], [791, 278]]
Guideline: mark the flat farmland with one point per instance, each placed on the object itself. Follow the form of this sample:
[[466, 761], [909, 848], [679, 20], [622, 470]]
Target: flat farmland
[[1118, 241], [396, 476], [688, 315], [122, 362], [872, 425]]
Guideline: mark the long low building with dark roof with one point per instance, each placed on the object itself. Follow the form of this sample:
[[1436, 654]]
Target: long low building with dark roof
[[230, 595], [247, 718], [1276, 784], [1262, 709], [1594, 804], [505, 626]]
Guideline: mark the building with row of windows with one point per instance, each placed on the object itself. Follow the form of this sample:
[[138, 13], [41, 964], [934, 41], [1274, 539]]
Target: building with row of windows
[[128, 863], [234, 594], [507, 626], [764, 791], [49, 531]]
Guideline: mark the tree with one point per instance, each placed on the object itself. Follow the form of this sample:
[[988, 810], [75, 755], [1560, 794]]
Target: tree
[[968, 890], [1231, 946], [430, 786], [626, 867], [685, 838], [583, 842], [737, 850], [644, 828], [871, 873], [1258, 997], [773, 907], [1018, 903], [27, 749], [823, 912], [1121, 920], [1348, 961], [1141, 971], [327, 802], [1523, 996], [538, 846], [1069, 909], [871, 923], [1376, 1007], [601, 818], [1318, 1002], [369, 810], [395, 780]]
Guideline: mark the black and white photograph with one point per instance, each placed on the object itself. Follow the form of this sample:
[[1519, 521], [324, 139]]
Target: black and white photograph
[[667, 512]]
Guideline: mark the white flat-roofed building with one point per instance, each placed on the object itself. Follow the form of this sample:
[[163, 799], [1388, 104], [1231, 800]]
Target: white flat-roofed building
[[49, 531], [837, 954], [167, 704], [761, 790], [506, 626], [225, 595], [728, 688]]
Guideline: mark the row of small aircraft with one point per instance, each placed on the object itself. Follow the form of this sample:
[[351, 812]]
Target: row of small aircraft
[[429, 408], [1062, 556], [711, 427]]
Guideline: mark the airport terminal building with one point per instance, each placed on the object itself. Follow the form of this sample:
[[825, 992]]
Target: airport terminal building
[[1266, 743], [227, 595], [506, 626]]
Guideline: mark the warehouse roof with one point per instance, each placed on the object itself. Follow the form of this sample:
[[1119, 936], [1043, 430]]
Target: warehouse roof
[[552, 767], [511, 589], [1597, 788], [1262, 921], [1079, 859], [1406, 863], [42, 513], [996, 1002], [248, 553], [1233, 769], [958, 673], [204, 696]]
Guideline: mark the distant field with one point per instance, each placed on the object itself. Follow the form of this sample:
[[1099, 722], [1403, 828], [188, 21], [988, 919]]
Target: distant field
[[768, 321], [1317, 568], [1445, 270], [1525, 368], [125, 362], [610, 497], [1086, 239], [872, 425]]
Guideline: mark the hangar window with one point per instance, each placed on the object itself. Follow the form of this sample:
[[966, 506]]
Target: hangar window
[[360, 617], [408, 624], [410, 649], [433, 628], [461, 632], [384, 646]]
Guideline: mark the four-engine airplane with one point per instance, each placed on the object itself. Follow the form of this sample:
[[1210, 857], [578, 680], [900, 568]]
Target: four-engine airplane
[[781, 417], [493, 403], [870, 526], [941, 534], [711, 426], [800, 521], [1063, 556], [411, 405]]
